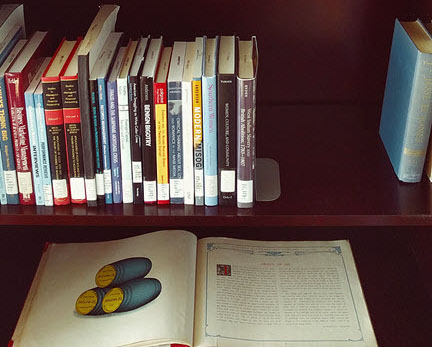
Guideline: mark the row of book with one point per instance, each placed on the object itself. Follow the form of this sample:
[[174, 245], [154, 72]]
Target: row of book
[[114, 121]]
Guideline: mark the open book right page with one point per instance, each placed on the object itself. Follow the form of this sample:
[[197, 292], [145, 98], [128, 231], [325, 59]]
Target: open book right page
[[292, 293]]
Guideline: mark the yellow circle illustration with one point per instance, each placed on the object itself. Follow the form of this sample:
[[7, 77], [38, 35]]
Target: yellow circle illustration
[[112, 300], [105, 276], [86, 302]]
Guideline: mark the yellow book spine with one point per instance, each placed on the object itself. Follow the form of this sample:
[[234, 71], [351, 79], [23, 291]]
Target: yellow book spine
[[198, 142], [162, 152]]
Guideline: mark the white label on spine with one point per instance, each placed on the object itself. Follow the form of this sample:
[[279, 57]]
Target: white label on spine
[[48, 195], [60, 189], [149, 191], [136, 172], [176, 188], [227, 181], [163, 191], [100, 188], [25, 182], [107, 181], [199, 180], [90, 187], [127, 191], [211, 186], [244, 191], [11, 182], [77, 188]]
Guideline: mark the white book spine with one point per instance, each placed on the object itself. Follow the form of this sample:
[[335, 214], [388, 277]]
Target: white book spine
[[188, 155], [3, 199], [125, 141]]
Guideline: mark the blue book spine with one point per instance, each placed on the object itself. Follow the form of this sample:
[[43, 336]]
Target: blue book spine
[[406, 113], [210, 140], [34, 149], [3, 198], [114, 136], [44, 152], [103, 112], [175, 143], [7, 149]]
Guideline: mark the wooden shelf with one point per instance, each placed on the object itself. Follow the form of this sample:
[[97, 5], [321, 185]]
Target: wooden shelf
[[334, 172]]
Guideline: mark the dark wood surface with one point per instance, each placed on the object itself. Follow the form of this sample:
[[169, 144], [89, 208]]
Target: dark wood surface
[[333, 171]]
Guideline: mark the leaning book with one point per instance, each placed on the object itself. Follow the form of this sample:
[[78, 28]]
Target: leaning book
[[406, 114], [168, 287]]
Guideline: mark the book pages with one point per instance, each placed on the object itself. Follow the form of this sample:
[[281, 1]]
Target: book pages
[[252, 293], [51, 316]]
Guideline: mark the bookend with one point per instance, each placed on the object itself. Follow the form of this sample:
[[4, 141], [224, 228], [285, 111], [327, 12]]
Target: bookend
[[267, 179]]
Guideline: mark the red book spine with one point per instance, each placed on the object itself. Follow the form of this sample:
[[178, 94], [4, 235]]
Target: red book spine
[[160, 99], [15, 86]]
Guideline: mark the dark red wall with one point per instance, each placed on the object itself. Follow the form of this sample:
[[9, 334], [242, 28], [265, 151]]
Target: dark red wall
[[310, 51]]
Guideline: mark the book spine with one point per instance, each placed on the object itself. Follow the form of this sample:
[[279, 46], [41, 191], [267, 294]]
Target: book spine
[[15, 91], [7, 150], [209, 102], [198, 142], [74, 146], [43, 142], [418, 122], [86, 130], [3, 197], [103, 107], [160, 95], [113, 127], [148, 144], [34, 149], [56, 141], [188, 159], [10, 45], [175, 143], [96, 131], [135, 134], [125, 142], [227, 139], [245, 143]]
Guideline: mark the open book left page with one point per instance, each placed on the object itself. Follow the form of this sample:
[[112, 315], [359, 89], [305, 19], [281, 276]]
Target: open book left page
[[138, 290]]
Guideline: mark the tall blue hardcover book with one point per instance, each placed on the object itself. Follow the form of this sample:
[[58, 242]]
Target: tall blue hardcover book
[[98, 78], [113, 127], [209, 102], [175, 129], [407, 107], [43, 146], [103, 112]]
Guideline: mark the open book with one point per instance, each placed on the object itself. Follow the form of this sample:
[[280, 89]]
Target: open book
[[168, 287]]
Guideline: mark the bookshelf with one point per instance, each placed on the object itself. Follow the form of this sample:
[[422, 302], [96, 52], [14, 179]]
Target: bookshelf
[[317, 116]]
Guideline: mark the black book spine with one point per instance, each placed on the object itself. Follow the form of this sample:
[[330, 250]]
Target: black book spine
[[149, 138], [72, 124], [96, 130], [56, 141], [86, 129], [227, 138], [246, 143], [135, 131]]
